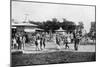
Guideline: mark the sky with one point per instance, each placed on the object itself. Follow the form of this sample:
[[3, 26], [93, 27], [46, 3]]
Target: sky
[[24, 11]]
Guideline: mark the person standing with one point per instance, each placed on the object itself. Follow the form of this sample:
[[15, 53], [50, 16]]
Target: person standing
[[71, 38], [58, 41], [41, 43], [66, 42], [76, 40], [19, 42], [43, 40], [14, 43], [24, 40], [37, 43]]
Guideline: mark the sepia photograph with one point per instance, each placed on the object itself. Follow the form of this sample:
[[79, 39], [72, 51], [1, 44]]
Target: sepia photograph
[[44, 33]]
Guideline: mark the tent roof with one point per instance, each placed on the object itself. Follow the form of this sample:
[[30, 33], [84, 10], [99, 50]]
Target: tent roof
[[60, 29], [31, 30]]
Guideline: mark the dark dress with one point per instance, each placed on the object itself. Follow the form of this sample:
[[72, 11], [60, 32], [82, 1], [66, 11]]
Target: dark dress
[[44, 42], [76, 41], [57, 41], [19, 43], [36, 43], [66, 43]]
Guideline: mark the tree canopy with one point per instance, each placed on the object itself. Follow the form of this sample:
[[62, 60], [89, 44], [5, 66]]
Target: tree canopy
[[54, 24]]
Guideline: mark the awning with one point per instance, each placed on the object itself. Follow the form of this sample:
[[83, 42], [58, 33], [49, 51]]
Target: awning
[[23, 24]]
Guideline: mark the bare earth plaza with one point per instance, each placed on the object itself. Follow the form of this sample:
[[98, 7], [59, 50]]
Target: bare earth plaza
[[49, 33]]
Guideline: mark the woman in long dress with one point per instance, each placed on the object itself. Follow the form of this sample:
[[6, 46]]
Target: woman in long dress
[[24, 40], [37, 43], [15, 45], [66, 42], [58, 40]]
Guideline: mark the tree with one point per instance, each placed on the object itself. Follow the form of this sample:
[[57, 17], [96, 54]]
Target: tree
[[51, 25], [92, 32], [55, 24], [68, 25], [80, 26], [93, 27]]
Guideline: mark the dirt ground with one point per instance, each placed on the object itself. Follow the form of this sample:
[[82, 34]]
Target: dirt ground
[[52, 58], [51, 55]]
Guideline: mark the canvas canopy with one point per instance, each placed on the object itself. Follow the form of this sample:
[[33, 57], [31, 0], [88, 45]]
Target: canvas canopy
[[31, 29], [60, 30]]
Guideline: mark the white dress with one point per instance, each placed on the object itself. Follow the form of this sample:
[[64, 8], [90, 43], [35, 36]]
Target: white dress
[[69, 40], [38, 41]]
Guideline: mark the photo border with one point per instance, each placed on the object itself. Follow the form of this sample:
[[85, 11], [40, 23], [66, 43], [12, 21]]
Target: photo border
[[47, 3]]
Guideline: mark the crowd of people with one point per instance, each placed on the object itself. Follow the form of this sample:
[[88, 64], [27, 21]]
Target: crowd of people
[[73, 37], [18, 42], [40, 39]]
